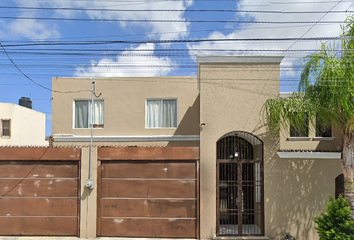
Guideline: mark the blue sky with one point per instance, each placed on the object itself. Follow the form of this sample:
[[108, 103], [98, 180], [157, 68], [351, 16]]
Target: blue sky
[[21, 24]]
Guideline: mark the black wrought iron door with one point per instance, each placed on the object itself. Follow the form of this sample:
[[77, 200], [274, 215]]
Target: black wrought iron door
[[239, 186]]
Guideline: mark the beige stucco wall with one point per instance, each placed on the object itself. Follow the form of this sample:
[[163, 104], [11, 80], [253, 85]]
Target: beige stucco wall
[[124, 104], [27, 126], [231, 98], [297, 190]]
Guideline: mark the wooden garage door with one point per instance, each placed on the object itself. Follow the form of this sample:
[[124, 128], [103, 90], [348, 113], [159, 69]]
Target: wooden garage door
[[39, 198], [148, 199]]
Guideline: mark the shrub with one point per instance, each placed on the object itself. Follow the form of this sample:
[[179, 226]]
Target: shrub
[[335, 223]]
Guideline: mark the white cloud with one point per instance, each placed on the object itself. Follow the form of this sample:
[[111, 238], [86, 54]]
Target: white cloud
[[34, 29], [31, 29], [28, 28], [141, 62], [175, 30], [276, 31]]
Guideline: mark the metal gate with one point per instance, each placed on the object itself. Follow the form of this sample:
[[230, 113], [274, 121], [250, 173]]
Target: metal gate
[[240, 185]]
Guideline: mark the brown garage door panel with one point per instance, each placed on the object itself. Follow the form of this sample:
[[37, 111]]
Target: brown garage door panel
[[148, 153], [39, 198], [181, 170], [148, 188], [22, 169], [42, 226], [148, 208], [38, 187], [183, 228], [38, 207]]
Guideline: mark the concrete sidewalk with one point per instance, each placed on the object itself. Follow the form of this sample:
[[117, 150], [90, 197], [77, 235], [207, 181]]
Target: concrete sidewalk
[[76, 238], [122, 238]]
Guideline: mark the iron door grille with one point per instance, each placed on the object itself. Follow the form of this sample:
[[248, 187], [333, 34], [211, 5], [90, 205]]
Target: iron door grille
[[240, 185]]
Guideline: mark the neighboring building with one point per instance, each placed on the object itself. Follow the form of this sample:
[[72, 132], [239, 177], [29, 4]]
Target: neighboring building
[[248, 182], [21, 125]]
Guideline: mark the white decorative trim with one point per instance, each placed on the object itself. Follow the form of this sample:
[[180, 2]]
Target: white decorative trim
[[157, 138], [239, 59], [310, 155]]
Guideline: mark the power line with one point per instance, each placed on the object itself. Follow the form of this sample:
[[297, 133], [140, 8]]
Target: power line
[[165, 33], [175, 41], [265, 83], [316, 22], [167, 20], [171, 10], [295, 54], [163, 50], [38, 84]]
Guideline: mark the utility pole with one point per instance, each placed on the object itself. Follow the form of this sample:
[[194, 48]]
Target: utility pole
[[89, 182]]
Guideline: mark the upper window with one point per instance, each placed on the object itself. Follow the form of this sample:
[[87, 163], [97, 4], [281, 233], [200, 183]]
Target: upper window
[[6, 128], [82, 113], [161, 113], [323, 130], [301, 129]]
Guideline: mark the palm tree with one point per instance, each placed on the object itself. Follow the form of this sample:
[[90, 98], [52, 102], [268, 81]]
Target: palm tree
[[326, 92]]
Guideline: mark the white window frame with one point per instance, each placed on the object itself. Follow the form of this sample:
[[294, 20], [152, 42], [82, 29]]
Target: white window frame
[[161, 99], [73, 112]]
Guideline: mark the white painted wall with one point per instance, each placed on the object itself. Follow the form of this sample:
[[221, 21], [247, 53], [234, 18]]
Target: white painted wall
[[27, 126]]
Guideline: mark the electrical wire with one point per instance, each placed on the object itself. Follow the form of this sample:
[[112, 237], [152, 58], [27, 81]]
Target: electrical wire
[[171, 10], [40, 85], [178, 41], [167, 20]]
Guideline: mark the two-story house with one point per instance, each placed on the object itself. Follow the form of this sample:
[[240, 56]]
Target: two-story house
[[190, 157]]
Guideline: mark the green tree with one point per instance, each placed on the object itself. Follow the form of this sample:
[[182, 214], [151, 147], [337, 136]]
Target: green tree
[[335, 222], [326, 92]]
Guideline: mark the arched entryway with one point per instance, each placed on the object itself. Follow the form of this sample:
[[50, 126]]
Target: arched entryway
[[240, 207]]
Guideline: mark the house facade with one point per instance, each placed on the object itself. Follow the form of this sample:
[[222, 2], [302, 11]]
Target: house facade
[[21, 126], [191, 157]]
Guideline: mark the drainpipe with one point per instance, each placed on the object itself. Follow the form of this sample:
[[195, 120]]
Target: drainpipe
[[89, 182]]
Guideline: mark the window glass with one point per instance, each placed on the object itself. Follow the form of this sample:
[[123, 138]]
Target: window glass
[[5, 128], [83, 113], [169, 113], [153, 113], [323, 130], [301, 129], [161, 113]]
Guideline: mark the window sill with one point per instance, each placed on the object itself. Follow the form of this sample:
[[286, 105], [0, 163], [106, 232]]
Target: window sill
[[162, 128], [323, 138], [87, 128], [298, 139]]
